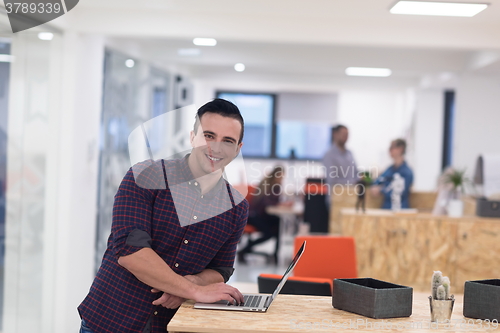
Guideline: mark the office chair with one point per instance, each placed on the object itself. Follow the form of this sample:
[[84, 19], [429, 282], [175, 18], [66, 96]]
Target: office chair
[[326, 258]]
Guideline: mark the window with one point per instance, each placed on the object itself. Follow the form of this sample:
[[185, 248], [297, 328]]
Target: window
[[258, 112], [449, 112], [307, 140], [305, 134]]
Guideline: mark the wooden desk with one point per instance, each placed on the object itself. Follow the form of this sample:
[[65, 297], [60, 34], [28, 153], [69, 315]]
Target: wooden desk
[[406, 249], [293, 313]]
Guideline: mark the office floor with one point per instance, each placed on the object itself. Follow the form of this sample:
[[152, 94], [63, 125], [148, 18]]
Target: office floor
[[245, 275]]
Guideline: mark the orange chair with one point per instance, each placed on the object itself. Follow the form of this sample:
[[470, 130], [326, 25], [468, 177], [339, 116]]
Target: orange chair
[[325, 258]]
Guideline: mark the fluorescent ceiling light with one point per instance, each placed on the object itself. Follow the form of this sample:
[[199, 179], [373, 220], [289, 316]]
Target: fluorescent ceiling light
[[6, 58], [366, 71], [129, 63], [204, 41], [189, 52], [239, 67], [438, 8], [45, 35]]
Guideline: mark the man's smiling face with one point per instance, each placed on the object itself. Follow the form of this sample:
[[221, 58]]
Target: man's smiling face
[[215, 143]]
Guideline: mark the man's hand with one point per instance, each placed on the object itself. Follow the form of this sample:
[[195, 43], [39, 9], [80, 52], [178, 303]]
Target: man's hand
[[205, 294], [217, 292], [171, 301], [168, 301]]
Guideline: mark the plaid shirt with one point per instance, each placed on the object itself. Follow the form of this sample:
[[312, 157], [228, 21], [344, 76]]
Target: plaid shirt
[[117, 301]]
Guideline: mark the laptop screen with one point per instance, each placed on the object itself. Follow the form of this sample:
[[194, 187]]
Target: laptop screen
[[288, 271]]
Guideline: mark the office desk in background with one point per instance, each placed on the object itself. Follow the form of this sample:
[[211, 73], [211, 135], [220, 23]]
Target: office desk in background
[[289, 226], [294, 313], [407, 248], [289, 217]]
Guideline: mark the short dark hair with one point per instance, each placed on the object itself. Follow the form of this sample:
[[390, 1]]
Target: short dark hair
[[337, 128], [400, 143], [223, 108]]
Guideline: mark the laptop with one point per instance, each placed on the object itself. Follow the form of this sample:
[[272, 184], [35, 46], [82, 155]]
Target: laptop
[[255, 302]]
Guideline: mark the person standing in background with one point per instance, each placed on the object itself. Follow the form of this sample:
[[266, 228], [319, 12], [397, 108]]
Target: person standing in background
[[340, 166], [394, 177]]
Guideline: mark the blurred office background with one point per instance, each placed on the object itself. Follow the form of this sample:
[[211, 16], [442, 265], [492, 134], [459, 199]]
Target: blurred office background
[[72, 90]]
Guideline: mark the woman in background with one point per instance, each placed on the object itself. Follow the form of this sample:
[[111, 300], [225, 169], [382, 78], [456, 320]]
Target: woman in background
[[396, 181], [266, 194]]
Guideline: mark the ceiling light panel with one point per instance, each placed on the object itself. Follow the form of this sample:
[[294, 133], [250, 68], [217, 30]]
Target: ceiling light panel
[[368, 71], [438, 8], [205, 41]]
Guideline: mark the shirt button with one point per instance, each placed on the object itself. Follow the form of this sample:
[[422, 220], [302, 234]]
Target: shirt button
[[156, 312], [189, 183], [202, 197], [186, 241], [195, 183], [176, 264], [195, 217]]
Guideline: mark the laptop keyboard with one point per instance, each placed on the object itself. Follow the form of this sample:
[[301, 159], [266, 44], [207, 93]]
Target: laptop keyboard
[[250, 301]]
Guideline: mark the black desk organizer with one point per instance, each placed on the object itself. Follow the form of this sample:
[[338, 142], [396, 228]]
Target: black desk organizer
[[372, 298], [482, 299]]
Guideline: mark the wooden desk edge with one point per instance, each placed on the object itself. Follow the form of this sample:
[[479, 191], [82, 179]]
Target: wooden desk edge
[[420, 315]]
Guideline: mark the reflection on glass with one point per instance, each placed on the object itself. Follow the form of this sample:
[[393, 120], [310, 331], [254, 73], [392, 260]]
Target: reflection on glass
[[132, 96], [4, 93]]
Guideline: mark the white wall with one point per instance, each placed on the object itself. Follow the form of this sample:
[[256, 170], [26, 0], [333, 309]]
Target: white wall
[[428, 138], [76, 199], [378, 113], [477, 122], [374, 118]]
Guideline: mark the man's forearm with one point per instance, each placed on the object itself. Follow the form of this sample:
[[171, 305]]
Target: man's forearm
[[148, 267], [208, 276]]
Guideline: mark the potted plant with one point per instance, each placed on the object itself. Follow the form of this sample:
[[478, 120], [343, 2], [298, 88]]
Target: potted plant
[[441, 302], [456, 180]]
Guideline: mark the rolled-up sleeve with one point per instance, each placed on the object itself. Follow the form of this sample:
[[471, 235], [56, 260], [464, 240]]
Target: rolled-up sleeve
[[132, 213], [225, 272]]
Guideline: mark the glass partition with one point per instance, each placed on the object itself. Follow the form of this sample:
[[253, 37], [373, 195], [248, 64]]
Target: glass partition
[[28, 96], [134, 92]]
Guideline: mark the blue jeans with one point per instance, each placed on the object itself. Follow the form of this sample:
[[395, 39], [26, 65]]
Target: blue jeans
[[84, 328]]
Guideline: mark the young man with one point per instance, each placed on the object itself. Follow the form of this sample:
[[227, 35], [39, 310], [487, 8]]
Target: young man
[[176, 225]]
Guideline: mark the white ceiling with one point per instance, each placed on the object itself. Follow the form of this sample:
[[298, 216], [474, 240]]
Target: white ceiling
[[314, 37]]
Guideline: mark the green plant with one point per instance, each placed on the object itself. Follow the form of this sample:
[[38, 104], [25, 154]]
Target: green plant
[[366, 176], [456, 178], [440, 286]]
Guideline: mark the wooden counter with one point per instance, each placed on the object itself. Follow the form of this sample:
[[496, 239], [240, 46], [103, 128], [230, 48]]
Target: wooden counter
[[293, 313], [423, 201], [406, 249]]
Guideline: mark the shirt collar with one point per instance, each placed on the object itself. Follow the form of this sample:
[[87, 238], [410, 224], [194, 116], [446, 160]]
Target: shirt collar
[[187, 176]]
